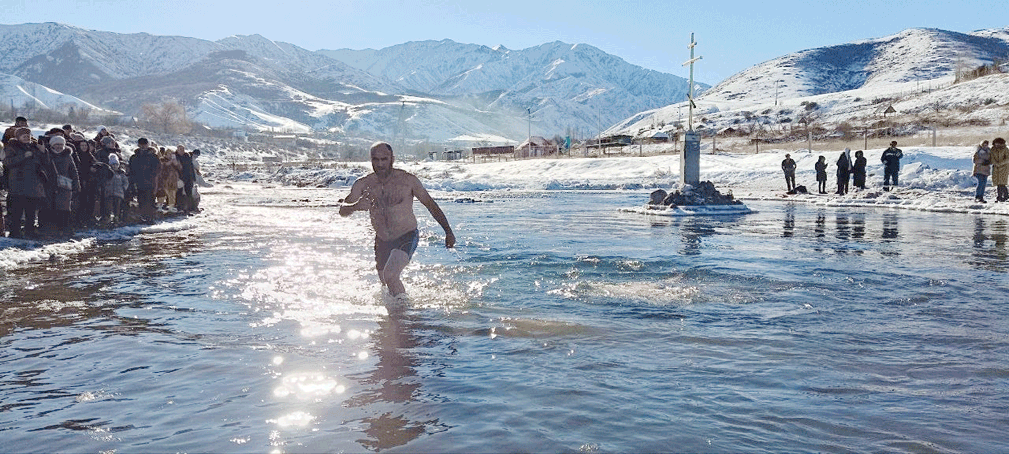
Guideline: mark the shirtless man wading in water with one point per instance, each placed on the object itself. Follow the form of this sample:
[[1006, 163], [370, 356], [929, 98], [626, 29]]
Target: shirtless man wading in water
[[388, 194]]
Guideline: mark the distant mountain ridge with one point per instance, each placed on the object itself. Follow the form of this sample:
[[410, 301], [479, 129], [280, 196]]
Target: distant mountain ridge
[[565, 86], [428, 90]]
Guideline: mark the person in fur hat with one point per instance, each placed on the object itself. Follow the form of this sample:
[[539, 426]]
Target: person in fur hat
[[28, 165], [1000, 169], [9, 133], [982, 169], [144, 169], [104, 132], [168, 178], [64, 182]]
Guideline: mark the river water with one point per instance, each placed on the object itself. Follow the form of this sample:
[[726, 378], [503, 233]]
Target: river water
[[558, 325]]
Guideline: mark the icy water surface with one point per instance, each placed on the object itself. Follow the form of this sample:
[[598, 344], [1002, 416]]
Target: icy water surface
[[558, 325]]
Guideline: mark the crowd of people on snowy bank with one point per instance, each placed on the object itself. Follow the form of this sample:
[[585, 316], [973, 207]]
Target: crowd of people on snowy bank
[[988, 161], [62, 181]]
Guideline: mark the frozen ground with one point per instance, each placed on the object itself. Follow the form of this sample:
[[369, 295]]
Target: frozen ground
[[932, 178]]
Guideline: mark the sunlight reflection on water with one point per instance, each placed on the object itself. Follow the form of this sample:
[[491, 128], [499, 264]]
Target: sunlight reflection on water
[[557, 325]]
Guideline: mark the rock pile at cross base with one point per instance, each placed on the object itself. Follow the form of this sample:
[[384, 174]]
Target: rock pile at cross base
[[704, 194]]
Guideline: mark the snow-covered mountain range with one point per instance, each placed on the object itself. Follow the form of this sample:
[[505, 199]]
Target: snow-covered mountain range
[[566, 86], [429, 90], [913, 71]]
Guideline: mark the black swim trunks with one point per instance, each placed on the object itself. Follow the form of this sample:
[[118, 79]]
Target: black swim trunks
[[406, 243]]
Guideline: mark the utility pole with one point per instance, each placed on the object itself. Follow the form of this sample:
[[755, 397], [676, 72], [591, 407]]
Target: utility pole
[[529, 135]]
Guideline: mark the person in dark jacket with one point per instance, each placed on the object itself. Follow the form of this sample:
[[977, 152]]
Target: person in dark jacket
[[144, 169], [9, 133], [188, 177], [89, 187], [843, 173], [821, 174], [106, 147], [103, 132], [788, 166], [891, 164], [858, 169], [27, 163], [65, 182]]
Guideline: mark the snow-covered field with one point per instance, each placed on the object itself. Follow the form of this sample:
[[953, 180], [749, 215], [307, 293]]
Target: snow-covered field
[[931, 179]]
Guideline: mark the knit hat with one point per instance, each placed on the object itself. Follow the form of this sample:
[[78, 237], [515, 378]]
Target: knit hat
[[58, 141], [113, 161], [108, 141], [77, 137], [101, 128]]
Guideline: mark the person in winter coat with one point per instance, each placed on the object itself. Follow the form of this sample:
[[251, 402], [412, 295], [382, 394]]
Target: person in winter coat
[[107, 146], [115, 192], [88, 197], [101, 173], [27, 163], [891, 164], [1000, 168], [843, 173], [788, 166], [103, 132], [858, 170], [9, 133], [144, 169], [821, 174], [168, 178], [199, 181], [65, 183], [982, 169], [188, 176]]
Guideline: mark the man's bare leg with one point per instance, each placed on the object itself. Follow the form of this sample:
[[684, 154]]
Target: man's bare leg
[[398, 260]]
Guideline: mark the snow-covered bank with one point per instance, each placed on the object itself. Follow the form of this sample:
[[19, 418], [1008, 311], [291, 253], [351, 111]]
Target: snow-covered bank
[[931, 179]]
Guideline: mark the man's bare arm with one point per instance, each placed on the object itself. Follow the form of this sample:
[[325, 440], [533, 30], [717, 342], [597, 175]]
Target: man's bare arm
[[358, 200], [435, 210]]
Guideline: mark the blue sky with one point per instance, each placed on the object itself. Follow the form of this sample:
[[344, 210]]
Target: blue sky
[[731, 35]]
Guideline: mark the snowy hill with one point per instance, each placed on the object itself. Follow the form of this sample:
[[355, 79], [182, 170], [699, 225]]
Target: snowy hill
[[853, 82], [427, 91], [19, 92]]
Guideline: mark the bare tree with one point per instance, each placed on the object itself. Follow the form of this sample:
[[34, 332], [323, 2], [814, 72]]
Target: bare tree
[[168, 117]]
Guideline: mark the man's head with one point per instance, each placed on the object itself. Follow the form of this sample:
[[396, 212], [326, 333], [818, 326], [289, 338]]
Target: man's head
[[108, 142], [68, 129], [382, 158], [787, 155], [142, 143], [24, 135], [20, 121], [893, 144], [57, 143]]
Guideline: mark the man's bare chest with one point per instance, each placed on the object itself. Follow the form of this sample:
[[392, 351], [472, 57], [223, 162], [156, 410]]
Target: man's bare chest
[[390, 194]]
